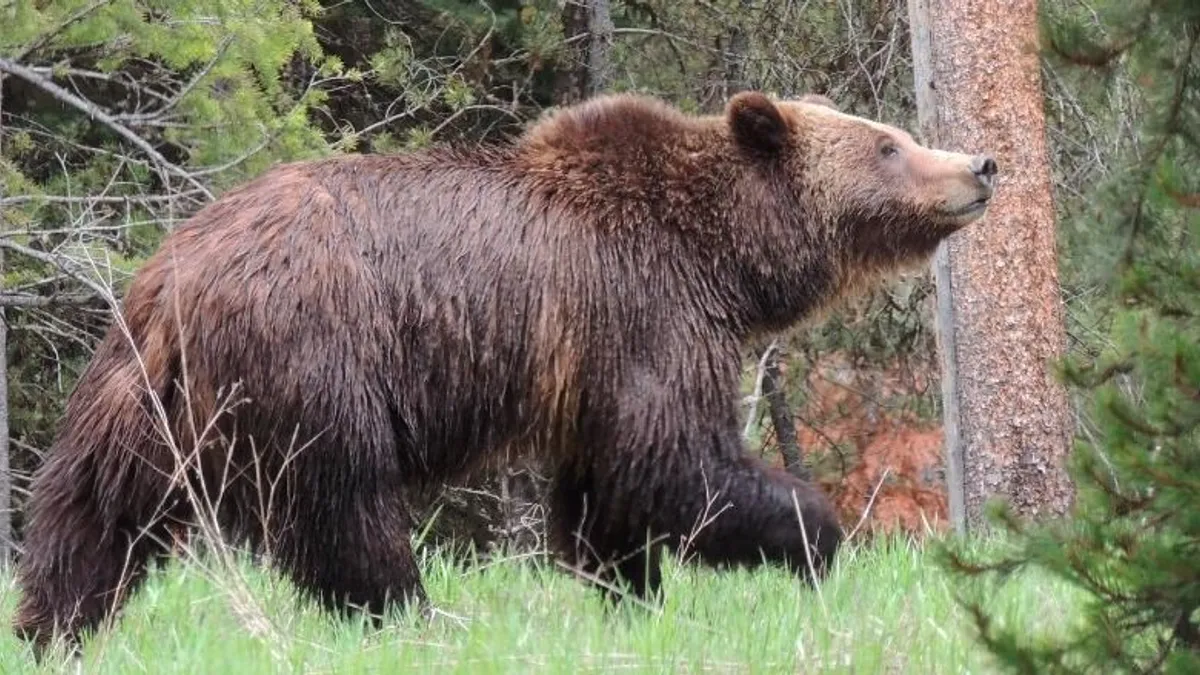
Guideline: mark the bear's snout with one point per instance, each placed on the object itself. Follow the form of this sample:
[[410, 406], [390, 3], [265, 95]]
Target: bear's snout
[[985, 169]]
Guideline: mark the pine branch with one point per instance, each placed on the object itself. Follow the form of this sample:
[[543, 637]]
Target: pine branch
[[1169, 129], [45, 38], [1096, 56]]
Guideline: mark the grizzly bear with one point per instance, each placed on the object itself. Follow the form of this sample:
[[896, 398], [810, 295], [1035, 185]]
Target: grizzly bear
[[317, 342]]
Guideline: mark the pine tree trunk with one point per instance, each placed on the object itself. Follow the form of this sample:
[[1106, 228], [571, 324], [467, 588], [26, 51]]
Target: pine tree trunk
[[588, 27], [739, 49], [1008, 422], [600, 24]]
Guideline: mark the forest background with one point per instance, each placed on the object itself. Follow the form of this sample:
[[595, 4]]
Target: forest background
[[120, 119]]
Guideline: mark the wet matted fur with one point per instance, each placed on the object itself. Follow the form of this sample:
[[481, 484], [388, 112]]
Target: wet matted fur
[[381, 323]]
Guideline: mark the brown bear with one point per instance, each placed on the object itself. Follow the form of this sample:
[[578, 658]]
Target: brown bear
[[334, 333]]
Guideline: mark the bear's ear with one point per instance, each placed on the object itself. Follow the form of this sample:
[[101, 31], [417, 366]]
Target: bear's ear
[[817, 99], [756, 123]]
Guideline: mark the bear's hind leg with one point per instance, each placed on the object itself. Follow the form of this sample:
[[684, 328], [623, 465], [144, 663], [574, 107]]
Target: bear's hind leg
[[86, 550], [351, 550]]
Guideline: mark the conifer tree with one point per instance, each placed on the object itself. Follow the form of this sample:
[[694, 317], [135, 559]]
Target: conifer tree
[[1132, 542]]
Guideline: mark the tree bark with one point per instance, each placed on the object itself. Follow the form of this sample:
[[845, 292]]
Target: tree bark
[[1008, 423], [6, 540], [588, 27], [738, 50]]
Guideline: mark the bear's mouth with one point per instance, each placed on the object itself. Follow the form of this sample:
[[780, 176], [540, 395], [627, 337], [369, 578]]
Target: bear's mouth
[[974, 208]]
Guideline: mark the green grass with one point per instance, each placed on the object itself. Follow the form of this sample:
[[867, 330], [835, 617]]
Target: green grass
[[886, 608]]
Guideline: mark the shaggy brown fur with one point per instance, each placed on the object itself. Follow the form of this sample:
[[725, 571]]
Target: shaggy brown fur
[[387, 322]]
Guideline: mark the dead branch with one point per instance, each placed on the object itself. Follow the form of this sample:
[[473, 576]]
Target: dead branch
[[30, 300], [870, 504], [758, 388], [17, 200], [72, 268], [781, 417], [142, 118], [93, 111], [1190, 200]]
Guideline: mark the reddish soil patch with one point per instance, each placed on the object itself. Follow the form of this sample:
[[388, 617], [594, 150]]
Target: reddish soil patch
[[859, 422]]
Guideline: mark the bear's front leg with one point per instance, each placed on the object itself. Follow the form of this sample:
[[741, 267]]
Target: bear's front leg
[[582, 538], [755, 513], [663, 477]]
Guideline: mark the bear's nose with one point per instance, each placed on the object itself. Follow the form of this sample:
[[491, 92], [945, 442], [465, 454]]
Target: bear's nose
[[984, 167]]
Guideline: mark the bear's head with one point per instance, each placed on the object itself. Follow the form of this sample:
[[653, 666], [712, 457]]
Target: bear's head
[[865, 188]]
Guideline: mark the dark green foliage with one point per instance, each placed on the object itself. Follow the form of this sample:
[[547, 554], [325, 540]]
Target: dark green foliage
[[1132, 544], [439, 70], [211, 90]]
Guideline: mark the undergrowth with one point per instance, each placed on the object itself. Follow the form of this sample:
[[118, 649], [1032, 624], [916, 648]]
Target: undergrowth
[[886, 608]]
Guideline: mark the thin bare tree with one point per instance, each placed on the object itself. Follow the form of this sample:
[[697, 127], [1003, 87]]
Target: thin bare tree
[[774, 389], [5, 465]]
